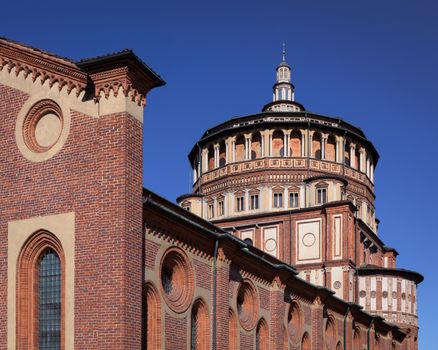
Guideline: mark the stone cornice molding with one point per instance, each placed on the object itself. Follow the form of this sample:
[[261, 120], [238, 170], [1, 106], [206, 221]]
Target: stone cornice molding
[[121, 71], [107, 75], [42, 66]]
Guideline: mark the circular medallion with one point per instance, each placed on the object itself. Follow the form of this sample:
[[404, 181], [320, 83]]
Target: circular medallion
[[47, 130], [362, 294], [270, 245], [373, 294], [176, 277], [385, 294], [42, 126], [41, 129], [337, 285], [394, 295], [309, 239]]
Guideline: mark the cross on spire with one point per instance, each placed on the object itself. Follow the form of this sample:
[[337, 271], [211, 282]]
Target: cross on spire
[[284, 52]]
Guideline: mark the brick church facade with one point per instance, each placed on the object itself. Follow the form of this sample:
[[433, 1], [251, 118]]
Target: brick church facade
[[276, 247]]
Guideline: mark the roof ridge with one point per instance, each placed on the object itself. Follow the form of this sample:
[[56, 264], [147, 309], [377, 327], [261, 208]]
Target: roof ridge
[[30, 47]]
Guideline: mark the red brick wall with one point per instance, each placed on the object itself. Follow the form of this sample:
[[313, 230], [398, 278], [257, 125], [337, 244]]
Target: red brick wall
[[176, 332], [97, 174]]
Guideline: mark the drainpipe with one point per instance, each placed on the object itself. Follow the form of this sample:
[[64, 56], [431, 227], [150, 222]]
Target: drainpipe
[[356, 292], [290, 236], [345, 326], [216, 246], [368, 334]]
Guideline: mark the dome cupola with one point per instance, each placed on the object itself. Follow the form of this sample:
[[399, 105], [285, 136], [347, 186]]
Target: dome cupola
[[283, 97]]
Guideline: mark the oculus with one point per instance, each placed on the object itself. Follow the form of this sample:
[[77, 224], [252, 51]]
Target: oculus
[[42, 126], [247, 305], [176, 276]]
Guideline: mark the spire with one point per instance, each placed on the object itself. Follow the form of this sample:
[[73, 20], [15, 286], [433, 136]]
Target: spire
[[284, 52], [283, 95], [283, 89]]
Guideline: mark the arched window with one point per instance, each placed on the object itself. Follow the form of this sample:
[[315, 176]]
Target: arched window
[[232, 330], [316, 145], [262, 336], [305, 342], [200, 332], [330, 149], [278, 144], [347, 153], [222, 154], [256, 145], [295, 144], [210, 158], [49, 300], [285, 339], [240, 148], [40, 297], [330, 333], [357, 339], [152, 318]]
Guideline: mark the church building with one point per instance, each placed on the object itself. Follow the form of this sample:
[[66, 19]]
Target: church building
[[277, 246]]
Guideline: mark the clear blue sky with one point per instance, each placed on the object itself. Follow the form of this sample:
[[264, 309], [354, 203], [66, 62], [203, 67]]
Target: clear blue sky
[[373, 63]]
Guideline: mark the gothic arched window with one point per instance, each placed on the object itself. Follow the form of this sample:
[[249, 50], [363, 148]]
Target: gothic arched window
[[49, 301], [152, 318], [40, 297], [200, 332]]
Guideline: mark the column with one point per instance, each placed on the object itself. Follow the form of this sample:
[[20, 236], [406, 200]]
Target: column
[[233, 149], [353, 155], [286, 141], [339, 149], [205, 160], [372, 172], [303, 143], [247, 146], [324, 138], [368, 166], [309, 143], [229, 149], [270, 132], [286, 198], [362, 159], [216, 155], [262, 145]]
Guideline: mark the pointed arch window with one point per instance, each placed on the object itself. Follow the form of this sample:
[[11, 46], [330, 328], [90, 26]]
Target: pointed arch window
[[262, 336], [49, 301], [40, 297], [200, 332], [152, 318]]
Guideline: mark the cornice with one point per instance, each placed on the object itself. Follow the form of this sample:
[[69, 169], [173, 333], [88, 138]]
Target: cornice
[[41, 66]]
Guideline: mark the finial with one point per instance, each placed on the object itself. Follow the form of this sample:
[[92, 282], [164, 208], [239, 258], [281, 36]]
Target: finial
[[284, 52]]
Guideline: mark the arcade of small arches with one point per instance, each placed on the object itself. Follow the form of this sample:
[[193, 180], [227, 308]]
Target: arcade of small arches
[[285, 143]]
